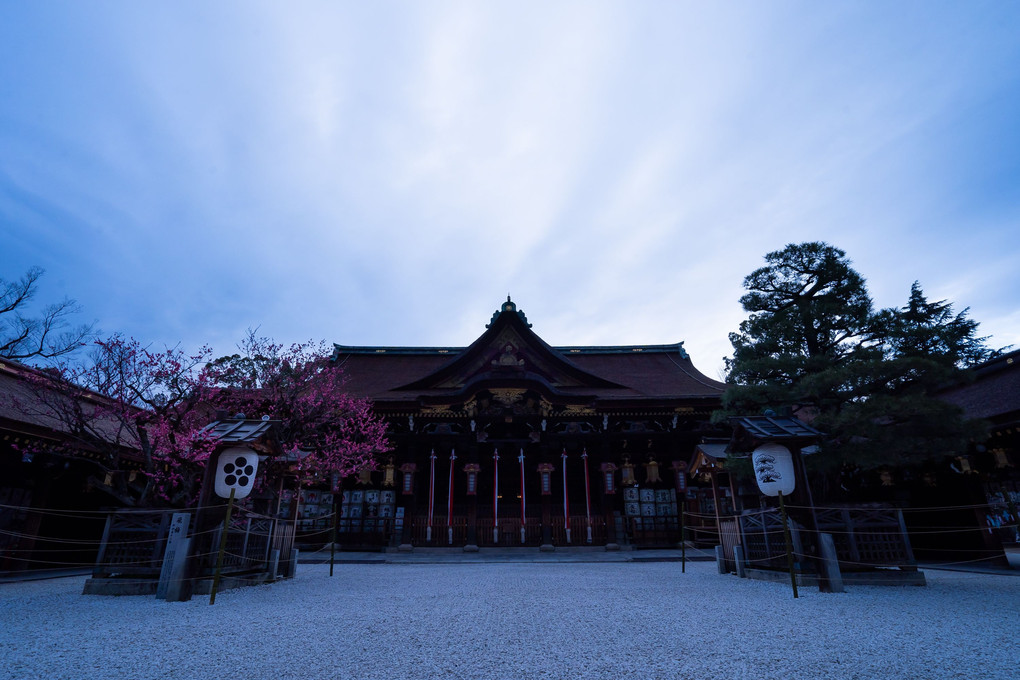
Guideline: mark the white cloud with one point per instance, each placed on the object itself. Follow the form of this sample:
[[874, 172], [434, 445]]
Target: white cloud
[[386, 174]]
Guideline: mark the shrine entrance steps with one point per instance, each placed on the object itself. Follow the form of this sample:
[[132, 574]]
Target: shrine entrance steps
[[505, 556]]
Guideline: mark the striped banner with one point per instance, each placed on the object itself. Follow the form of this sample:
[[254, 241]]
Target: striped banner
[[587, 493], [566, 501], [523, 517], [495, 496], [432, 494], [449, 501]]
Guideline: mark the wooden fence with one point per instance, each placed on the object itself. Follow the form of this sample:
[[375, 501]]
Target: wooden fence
[[864, 538], [134, 543]]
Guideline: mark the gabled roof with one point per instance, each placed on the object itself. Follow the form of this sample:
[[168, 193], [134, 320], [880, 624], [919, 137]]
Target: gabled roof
[[258, 434], [995, 392], [34, 402], [751, 431], [509, 349], [509, 353]]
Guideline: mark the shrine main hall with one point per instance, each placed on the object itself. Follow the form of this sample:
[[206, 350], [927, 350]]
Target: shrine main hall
[[511, 442]]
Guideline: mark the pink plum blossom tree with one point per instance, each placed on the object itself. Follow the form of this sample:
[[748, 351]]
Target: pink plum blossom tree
[[138, 414]]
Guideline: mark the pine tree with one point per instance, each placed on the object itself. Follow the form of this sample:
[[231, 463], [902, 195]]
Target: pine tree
[[812, 346]]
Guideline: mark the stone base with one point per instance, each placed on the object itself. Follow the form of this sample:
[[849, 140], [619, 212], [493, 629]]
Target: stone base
[[878, 577], [546, 547], [470, 548], [204, 586], [405, 547], [1012, 552], [118, 586], [123, 586], [612, 546]]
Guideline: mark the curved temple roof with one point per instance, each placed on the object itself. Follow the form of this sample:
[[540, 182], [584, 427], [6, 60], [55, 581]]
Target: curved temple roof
[[509, 353]]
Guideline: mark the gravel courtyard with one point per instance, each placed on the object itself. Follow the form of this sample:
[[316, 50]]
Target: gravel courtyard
[[613, 620]]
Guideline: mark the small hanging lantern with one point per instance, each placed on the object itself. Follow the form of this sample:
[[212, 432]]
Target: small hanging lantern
[[608, 471], [471, 469], [235, 472], [680, 472], [627, 472], [652, 471], [545, 471], [773, 469], [389, 473], [407, 483], [365, 476]]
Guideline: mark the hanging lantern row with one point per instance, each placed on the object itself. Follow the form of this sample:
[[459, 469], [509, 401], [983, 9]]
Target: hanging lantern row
[[545, 471], [652, 471], [389, 473], [471, 470], [407, 484], [680, 475], [608, 471], [627, 472]]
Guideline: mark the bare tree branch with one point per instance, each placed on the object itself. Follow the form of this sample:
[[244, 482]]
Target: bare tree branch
[[45, 336]]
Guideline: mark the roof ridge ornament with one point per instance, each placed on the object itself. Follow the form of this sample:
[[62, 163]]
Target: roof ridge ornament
[[508, 306]]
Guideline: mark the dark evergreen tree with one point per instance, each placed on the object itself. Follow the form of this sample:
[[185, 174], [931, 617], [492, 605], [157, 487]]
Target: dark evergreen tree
[[813, 347], [810, 313]]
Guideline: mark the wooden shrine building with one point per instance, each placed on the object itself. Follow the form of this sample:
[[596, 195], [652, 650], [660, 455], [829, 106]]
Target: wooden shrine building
[[512, 442]]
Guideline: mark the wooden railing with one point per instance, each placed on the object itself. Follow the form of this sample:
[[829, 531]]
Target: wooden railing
[[134, 543], [864, 537], [868, 536], [579, 531], [653, 531]]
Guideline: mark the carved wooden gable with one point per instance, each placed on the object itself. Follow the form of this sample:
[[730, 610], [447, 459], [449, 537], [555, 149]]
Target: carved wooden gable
[[508, 352]]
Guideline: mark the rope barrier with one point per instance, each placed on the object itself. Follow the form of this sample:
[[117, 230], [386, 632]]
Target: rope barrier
[[248, 514]]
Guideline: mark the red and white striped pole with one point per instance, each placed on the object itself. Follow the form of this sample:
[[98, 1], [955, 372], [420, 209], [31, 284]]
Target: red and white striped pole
[[449, 502], [432, 495], [587, 494], [566, 501], [523, 516], [495, 496]]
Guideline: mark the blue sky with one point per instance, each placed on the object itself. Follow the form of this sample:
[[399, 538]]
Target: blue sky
[[385, 173]]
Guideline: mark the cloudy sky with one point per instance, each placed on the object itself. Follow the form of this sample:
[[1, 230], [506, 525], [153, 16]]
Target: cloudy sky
[[385, 173]]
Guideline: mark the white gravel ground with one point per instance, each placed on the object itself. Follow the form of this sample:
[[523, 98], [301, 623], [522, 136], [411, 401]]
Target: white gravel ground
[[629, 620]]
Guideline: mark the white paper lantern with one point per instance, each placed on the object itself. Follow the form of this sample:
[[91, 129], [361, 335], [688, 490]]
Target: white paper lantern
[[773, 469], [235, 469]]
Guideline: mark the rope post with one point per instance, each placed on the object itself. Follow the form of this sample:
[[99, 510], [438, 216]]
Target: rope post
[[223, 548], [789, 547], [1011, 506], [332, 538], [683, 542]]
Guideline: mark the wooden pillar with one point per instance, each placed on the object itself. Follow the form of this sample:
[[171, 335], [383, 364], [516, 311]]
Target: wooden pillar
[[734, 498], [607, 501], [409, 498], [207, 516], [472, 499], [545, 472], [806, 515], [25, 545], [715, 502]]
